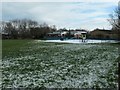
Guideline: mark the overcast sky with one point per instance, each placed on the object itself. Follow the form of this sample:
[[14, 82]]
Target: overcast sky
[[82, 14]]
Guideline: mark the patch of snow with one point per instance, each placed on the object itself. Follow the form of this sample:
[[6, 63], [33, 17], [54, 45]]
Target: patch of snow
[[80, 41]]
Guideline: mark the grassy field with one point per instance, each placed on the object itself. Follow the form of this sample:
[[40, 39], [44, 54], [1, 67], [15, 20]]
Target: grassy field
[[33, 63]]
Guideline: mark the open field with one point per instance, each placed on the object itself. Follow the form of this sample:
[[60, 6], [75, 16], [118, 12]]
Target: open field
[[33, 63]]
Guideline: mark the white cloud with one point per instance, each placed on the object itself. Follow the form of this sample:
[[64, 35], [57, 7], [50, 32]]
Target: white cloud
[[0, 11], [114, 1], [70, 15]]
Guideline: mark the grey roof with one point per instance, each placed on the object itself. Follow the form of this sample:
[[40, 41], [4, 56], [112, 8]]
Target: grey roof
[[55, 33]]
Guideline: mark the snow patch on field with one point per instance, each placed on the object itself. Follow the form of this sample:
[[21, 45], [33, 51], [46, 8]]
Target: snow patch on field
[[62, 65], [80, 41]]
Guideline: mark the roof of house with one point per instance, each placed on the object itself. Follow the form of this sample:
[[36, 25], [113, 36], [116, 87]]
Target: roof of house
[[64, 32], [82, 32], [55, 33], [101, 30]]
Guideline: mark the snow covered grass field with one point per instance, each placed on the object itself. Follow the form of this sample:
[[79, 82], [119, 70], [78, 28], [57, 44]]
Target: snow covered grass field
[[34, 63]]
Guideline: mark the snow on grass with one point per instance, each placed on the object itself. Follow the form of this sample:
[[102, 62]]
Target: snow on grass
[[56, 65], [80, 41]]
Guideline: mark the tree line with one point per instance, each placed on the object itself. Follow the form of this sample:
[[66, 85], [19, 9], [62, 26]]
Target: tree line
[[26, 28]]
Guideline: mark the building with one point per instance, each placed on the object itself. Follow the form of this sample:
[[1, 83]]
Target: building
[[101, 34], [5, 36], [54, 34], [80, 34], [63, 33]]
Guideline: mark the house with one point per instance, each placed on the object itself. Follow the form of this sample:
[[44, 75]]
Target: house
[[57, 34], [54, 34], [63, 33], [5, 36], [80, 33], [101, 34]]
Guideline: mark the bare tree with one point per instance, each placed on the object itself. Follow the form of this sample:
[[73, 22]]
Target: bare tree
[[23, 27], [115, 21], [115, 18], [27, 28]]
